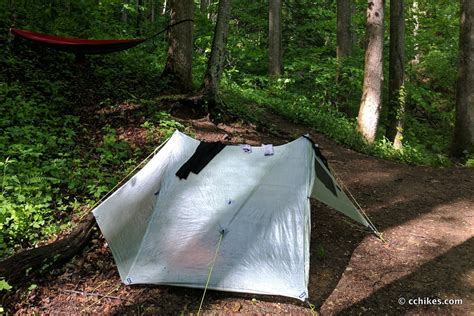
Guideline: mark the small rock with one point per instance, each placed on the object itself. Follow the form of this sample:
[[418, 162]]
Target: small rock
[[236, 307]]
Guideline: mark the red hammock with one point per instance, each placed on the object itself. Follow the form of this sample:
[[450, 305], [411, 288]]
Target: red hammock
[[78, 45]]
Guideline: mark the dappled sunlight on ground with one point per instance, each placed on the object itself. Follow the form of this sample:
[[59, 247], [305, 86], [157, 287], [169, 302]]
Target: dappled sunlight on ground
[[419, 243]]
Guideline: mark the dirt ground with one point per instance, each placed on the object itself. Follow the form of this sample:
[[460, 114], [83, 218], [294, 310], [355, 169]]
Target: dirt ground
[[426, 216]]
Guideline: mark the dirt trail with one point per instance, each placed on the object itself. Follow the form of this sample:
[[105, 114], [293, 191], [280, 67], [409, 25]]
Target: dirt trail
[[426, 215]]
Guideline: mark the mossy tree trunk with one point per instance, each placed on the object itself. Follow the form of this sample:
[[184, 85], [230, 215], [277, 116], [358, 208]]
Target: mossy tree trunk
[[215, 62], [396, 78]]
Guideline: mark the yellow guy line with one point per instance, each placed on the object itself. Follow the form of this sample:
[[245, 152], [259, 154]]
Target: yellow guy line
[[210, 271]]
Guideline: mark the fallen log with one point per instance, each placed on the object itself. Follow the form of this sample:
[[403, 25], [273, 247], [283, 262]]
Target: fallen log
[[22, 267]]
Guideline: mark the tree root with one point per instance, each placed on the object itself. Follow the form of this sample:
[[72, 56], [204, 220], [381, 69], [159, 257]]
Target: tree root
[[22, 267]]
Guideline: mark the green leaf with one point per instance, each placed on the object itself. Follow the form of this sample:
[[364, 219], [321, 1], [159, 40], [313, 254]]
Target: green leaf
[[4, 286]]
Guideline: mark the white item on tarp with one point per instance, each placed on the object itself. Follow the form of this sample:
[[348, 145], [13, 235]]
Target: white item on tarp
[[246, 148], [267, 149]]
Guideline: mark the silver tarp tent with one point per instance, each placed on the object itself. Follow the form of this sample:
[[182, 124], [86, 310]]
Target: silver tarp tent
[[163, 230]]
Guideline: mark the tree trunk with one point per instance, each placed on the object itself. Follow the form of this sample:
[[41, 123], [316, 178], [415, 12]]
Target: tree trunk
[[178, 68], [274, 38], [13, 8], [20, 268], [204, 7], [124, 12], [165, 7], [68, 7], [369, 112], [396, 77], [416, 13], [139, 17], [215, 63], [344, 35], [464, 125], [153, 11]]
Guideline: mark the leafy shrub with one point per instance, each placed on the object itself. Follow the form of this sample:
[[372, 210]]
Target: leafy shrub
[[112, 150], [33, 164]]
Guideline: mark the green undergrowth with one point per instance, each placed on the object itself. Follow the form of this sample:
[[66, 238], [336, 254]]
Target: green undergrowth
[[423, 144], [61, 145]]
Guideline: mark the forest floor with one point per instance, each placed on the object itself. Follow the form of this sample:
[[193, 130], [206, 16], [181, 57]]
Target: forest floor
[[426, 215]]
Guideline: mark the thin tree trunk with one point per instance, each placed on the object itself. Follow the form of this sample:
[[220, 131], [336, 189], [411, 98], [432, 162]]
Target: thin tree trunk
[[344, 34], [215, 63], [204, 7], [165, 7], [396, 78], [13, 8], [178, 68], [274, 38], [139, 16], [354, 38], [416, 48], [153, 11], [464, 125], [369, 112], [124, 12], [20, 268]]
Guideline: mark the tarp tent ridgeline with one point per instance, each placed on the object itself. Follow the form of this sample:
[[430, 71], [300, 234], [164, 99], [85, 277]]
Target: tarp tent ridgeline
[[163, 230]]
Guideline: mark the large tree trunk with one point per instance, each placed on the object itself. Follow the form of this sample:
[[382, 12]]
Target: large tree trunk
[[371, 102], [20, 268], [464, 126], [216, 59], [344, 35], [274, 38], [396, 78], [178, 68]]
